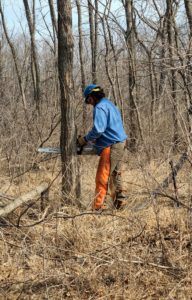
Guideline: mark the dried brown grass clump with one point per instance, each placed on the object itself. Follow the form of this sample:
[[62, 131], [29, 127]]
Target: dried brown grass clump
[[142, 252]]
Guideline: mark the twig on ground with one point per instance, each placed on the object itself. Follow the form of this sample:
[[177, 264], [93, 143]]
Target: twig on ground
[[42, 219], [91, 213]]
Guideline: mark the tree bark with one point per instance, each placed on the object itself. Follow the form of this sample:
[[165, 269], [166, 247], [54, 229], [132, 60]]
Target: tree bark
[[68, 134], [107, 67], [163, 72], [93, 37], [53, 17], [133, 110], [81, 62], [34, 60], [1, 70], [188, 8], [95, 44], [170, 34]]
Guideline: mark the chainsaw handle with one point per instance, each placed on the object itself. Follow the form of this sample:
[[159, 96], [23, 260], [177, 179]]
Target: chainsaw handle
[[79, 147], [79, 150]]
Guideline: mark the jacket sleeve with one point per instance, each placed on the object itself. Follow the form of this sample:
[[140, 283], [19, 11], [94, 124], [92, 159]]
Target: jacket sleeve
[[99, 124]]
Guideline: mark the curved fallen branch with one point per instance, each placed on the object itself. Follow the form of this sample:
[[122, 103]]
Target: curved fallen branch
[[42, 219]]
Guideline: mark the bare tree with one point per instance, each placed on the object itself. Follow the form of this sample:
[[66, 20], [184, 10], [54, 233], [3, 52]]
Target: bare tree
[[81, 60], [95, 54], [54, 25], [68, 134], [133, 110], [163, 72], [14, 55], [170, 33], [188, 78], [188, 7], [34, 59], [93, 25], [53, 17], [149, 53]]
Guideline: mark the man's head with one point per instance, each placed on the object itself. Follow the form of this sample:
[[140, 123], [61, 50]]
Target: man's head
[[93, 94]]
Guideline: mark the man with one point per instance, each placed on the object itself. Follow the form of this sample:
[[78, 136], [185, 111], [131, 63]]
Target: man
[[109, 139]]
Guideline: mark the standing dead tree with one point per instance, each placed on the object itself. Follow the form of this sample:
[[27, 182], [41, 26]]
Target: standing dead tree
[[68, 134]]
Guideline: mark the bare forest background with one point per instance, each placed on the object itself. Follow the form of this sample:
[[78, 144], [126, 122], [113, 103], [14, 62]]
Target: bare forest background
[[140, 52]]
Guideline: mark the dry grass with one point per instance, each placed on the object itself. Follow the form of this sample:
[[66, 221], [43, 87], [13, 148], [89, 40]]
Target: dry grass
[[137, 253]]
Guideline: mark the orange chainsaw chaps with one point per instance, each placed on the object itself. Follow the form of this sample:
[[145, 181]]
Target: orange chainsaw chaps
[[102, 178]]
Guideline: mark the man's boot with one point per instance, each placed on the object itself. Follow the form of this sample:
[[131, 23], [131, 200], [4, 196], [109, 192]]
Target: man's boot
[[120, 201]]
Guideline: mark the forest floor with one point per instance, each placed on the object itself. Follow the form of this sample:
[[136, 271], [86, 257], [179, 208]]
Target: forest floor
[[141, 252]]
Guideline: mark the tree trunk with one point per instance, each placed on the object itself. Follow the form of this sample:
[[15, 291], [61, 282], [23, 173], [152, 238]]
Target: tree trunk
[[53, 17], [171, 44], [1, 70], [95, 44], [68, 134], [133, 111], [34, 60], [188, 8], [93, 37], [107, 67], [163, 73], [81, 62]]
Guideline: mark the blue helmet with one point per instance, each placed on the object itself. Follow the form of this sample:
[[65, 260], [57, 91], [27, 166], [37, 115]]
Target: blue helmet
[[89, 89]]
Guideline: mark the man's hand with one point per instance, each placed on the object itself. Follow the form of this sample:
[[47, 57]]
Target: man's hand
[[81, 141]]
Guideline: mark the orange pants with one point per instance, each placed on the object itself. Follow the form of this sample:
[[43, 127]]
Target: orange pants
[[102, 178], [109, 174]]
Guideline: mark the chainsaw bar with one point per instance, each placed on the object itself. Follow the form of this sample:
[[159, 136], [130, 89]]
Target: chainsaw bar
[[49, 150], [87, 150]]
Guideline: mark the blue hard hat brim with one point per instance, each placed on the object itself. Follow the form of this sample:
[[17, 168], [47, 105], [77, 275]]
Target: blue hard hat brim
[[89, 89]]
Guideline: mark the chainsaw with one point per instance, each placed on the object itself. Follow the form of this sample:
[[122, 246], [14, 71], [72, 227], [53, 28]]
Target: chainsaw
[[81, 150]]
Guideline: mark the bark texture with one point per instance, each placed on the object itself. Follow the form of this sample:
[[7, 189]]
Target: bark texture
[[34, 59], [68, 134]]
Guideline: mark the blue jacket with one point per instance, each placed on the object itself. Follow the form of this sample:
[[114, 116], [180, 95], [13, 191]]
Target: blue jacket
[[107, 125]]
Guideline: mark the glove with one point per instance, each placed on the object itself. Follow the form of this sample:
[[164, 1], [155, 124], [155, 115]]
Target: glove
[[81, 141]]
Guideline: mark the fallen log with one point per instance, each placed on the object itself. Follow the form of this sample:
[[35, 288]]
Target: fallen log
[[23, 199], [5, 200]]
